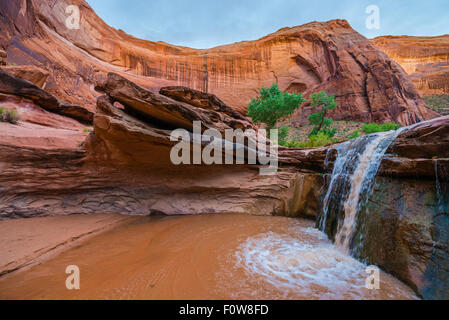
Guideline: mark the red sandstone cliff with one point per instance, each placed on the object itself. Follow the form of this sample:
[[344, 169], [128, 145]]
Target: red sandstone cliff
[[329, 56], [123, 165], [425, 59]]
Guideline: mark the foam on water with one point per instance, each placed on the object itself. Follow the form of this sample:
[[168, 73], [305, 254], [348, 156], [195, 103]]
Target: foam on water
[[311, 265]]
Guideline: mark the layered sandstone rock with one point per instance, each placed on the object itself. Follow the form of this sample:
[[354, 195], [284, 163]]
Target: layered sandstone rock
[[330, 56], [402, 225], [201, 100], [18, 87], [32, 114], [3, 56], [408, 215], [32, 74], [13, 86], [156, 115], [125, 167], [425, 59], [405, 231], [419, 150], [179, 113]]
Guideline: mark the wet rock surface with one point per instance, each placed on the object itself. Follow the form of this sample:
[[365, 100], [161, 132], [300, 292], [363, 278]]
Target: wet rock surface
[[403, 230], [402, 225], [416, 151]]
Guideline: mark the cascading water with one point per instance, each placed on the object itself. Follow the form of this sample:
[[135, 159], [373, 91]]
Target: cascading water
[[442, 189], [350, 185]]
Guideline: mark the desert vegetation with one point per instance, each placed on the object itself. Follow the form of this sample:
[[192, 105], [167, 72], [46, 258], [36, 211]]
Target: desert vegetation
[[439, 103], [9, 115], [374, 127], [273, 106]]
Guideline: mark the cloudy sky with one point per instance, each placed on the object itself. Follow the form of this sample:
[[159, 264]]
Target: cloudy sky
[[208, 23]]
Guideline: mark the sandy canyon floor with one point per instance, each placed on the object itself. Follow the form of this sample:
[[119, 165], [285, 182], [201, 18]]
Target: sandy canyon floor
[[189, 257]]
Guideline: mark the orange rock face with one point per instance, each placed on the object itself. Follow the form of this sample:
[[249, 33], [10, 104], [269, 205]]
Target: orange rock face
[[330, 56], [3, 56], [32, 74], [124, 165], [425, 59]]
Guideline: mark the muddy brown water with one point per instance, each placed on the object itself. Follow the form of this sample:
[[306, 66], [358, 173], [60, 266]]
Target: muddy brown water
[[205, 257]]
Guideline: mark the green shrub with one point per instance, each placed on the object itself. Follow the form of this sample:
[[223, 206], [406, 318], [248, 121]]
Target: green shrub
[[319, 140], [354, 135], [283, 135], [374, 127], [273, 105], [371, 128], [390, 126], [315, 141], [9, 115], [294, 144], [439, 103]]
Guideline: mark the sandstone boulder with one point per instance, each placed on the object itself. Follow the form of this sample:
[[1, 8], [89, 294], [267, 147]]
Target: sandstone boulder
[[11, 85], [33, 74], [76, 112], [166, 111], [419, 150], [201, 99], [155, 115]]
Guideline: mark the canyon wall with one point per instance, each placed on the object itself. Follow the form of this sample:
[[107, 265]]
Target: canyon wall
[[50, 164], [328, 56], [124, 165], [425, 59]]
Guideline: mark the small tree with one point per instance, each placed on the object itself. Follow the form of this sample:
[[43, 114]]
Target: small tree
[[273, 105], [318, 119]]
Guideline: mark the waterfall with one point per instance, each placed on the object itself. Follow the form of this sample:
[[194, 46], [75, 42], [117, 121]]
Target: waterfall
[[441, 184], [351, 183]]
